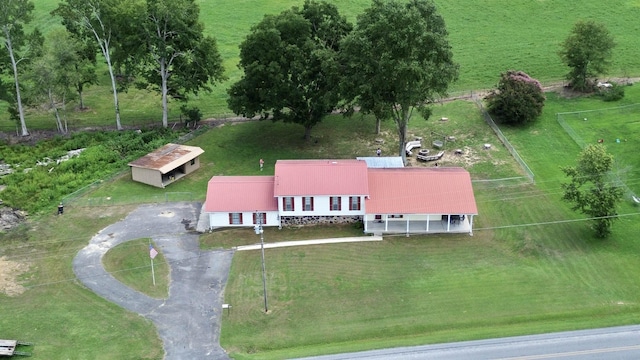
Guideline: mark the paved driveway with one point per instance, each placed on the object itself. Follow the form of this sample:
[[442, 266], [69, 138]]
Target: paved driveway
[[188, 321]]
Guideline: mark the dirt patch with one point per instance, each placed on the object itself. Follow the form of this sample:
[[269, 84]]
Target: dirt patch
[[9, 273], [467, 158]]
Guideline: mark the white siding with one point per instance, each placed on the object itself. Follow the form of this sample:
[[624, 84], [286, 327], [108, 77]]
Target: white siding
[[320, 207], [221, 219]]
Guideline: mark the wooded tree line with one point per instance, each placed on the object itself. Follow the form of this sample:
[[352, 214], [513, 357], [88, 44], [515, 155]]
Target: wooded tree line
[[155, 44]]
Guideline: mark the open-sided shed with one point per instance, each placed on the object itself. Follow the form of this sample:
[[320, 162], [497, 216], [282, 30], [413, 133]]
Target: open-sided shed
[[166, 164]]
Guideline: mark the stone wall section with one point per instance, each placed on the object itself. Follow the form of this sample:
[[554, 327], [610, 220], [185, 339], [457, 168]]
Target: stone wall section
[[318, 220]]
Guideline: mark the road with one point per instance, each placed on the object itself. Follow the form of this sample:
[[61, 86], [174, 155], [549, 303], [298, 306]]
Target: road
[[620, 343]]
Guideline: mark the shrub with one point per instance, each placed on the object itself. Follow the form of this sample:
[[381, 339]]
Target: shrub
[[518, 99], [614, 92]]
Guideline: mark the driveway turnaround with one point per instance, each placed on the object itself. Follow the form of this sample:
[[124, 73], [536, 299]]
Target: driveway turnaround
[[188, 321]]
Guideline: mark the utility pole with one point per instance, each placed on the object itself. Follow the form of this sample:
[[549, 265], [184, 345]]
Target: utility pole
[[258, 229]]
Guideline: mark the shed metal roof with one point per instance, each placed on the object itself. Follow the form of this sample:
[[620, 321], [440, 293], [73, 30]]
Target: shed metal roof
[[168, 157], [383, 161]]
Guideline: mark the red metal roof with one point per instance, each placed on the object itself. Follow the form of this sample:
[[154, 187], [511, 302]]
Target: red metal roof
[[168, 157], [240, 193], [420, 191], [321, 177]]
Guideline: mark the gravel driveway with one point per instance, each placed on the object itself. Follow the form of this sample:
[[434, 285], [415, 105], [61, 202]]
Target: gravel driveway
[[188, 321]]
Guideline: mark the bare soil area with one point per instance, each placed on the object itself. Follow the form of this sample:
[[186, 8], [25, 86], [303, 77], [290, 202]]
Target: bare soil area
[[9, 273]]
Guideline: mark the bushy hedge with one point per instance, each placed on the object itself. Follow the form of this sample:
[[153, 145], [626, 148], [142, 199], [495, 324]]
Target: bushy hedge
[[33, 188], [518, 99]]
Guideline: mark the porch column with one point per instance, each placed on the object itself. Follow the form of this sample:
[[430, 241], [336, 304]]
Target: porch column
[[386, 223], [427, 222], [448, 222], [364, 220], [471, 226], [407, 226]]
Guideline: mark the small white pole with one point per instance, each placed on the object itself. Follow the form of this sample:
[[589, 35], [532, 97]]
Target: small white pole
[[153, 273]]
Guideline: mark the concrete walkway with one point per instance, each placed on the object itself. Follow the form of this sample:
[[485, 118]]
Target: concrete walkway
[[309, 242]]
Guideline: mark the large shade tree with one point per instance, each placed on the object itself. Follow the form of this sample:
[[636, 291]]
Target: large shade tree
[[176, 57], [290, 66], [587, 51], [590, 190], [14, 14], [398, 58]]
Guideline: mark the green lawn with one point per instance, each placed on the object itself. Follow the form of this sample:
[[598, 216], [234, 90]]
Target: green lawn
[[488, 37], [64, 319], [527, 269], [129, 263]]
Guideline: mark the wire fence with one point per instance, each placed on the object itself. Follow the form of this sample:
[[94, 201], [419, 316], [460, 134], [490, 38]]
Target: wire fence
[[566, 118], [487, 118]]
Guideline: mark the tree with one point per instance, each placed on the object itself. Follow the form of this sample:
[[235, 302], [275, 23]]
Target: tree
[[54, 73], [589, 189], [587, 51], [14, 14], [85, 67], [182, 59], [397, 58], [519, 98], [100, 20], [290, 66]]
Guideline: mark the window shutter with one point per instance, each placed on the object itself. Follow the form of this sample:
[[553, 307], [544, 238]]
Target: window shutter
[[284, 204], [255, 218], [230, 218], [240, 218], [359, 199], [312, 204], [339, 203]]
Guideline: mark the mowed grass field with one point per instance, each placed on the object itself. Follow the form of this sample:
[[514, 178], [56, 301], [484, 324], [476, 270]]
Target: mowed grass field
[[488, 37], [532, 266], [617, 129]]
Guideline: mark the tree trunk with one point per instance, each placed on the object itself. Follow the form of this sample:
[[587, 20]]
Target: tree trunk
[[114, 87], [164, 76], [55, 112], [104, 47], [14, 65], [307, 132], [80, 87], [378, 121]]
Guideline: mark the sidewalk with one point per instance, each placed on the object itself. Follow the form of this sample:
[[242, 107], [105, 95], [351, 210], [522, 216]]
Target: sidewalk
[[308, 242]]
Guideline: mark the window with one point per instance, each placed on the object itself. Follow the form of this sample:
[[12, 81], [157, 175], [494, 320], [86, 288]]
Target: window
[[307, 204], [259, 218], [235, 218], [287, 204], [193, 162], [354, 202], [396, 216], [334, 203]]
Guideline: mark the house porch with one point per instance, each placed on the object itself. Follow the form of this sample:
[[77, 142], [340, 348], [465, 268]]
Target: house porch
[[420, 226]]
